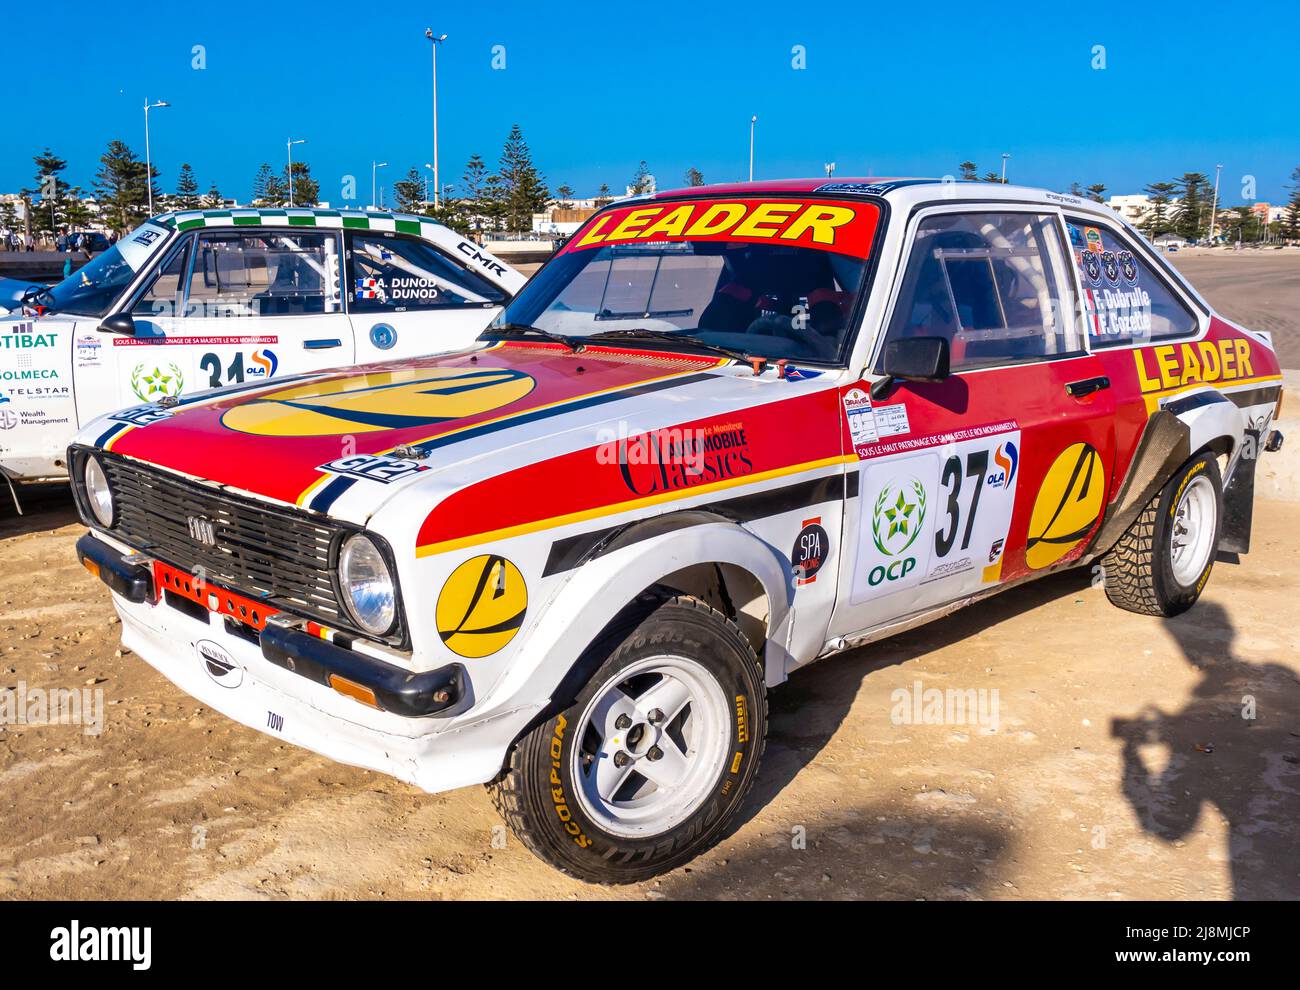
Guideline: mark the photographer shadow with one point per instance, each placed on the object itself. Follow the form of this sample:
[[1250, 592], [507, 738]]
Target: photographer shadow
[[1232, 746]]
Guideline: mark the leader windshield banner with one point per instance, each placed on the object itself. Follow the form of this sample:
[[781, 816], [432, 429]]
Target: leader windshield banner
[[827, 225]]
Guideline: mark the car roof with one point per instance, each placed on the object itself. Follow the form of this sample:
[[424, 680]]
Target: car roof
[[382, 220], [898, 191]]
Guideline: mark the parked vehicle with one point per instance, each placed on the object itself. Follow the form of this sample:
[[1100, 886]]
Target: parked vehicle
[[198, 300], [725, 432]]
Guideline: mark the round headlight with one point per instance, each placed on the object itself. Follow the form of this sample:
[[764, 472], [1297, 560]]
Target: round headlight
[[367, 585], [97, 492]]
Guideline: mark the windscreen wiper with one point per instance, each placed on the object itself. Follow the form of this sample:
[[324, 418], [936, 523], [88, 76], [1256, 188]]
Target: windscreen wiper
[[645, 333], [511, 331]]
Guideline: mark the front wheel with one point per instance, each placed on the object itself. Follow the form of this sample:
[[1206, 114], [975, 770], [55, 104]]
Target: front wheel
[[1160, 566], [644, 770]]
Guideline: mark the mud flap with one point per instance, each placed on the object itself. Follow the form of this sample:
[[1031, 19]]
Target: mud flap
[[1239, 498]]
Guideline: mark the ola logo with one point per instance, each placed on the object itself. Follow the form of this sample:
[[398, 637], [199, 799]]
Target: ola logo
[[383, 400], [1067, 506], [481, 606]]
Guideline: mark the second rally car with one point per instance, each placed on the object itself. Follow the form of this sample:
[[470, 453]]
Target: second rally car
[[723, 433]]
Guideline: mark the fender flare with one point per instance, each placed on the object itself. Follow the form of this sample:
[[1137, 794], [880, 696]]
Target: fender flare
[[606, 583], [1202, 420]]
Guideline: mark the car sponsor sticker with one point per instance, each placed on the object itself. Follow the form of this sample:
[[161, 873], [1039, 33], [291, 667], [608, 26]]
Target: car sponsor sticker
[[140, 415], [861, 418], [374, 467], [827, 225], [811, 548], [891, 420], [219, 665], [934, 516], [481, 606]]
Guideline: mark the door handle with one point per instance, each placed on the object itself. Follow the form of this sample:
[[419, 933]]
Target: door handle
[[322, 343], [1087, 386]]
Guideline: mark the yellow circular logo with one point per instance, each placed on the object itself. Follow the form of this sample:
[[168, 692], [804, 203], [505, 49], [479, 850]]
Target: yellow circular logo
[[482, 606], [381, 400], [1067, 507]]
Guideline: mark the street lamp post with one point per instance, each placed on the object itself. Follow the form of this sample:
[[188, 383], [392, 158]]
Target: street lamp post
[[374, 173], [435, 40], [1005, 156], [148, 161], [1214, 205], [752, 121], [426, 182], [289, 147]]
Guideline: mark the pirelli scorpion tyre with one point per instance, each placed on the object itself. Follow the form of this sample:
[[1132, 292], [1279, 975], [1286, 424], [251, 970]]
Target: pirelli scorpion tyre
[[1160, 566], [646, 768]]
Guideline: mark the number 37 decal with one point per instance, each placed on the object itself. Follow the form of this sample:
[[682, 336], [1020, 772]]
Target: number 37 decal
[[937, 515]]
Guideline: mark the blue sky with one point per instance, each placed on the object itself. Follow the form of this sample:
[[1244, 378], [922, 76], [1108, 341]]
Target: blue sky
[[903, 90]]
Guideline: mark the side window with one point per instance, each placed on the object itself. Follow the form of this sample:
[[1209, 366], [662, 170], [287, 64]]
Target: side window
[[994, 284], [393, 274], [162, 296], [1124, 301], [263, 273]]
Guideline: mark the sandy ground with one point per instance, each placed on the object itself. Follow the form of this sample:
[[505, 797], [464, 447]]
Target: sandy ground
[[1119, 765], [1258, 289]]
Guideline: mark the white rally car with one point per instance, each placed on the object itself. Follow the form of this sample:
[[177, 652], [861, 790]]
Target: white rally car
[[196, 300], [723, 433]]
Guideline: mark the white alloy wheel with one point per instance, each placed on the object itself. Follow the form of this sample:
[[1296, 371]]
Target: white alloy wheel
[[1191, 537], [653, 745]]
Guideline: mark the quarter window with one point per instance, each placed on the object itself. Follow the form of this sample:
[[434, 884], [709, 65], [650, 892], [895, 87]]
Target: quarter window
[[163, 296], [396, 274], [993, 284], [267, 273], [1124, 301]]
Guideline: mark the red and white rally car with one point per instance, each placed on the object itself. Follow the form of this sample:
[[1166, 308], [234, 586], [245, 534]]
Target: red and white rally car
[[723, 433]]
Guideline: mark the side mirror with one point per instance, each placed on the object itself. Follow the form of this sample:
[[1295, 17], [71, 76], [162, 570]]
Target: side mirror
[[912, 359], [122, 323]]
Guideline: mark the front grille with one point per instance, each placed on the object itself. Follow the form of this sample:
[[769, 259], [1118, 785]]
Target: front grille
[[284, 558]]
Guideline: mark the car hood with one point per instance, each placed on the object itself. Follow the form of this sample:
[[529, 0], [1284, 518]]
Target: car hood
[[308, 437]]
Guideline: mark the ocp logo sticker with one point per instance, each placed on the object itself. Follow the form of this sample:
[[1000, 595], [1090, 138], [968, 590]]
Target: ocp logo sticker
[[481, 606], [385, 400]]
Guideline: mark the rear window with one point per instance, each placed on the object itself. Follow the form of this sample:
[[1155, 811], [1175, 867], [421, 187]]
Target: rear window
[[1124, 300]]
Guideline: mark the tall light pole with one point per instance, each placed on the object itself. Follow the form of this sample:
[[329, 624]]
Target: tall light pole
[[1005, 156], [1214, 206], [752, 121], [435, 40], [148, 161], [830, 169], [289, 148], [374, 173], [426, 182]]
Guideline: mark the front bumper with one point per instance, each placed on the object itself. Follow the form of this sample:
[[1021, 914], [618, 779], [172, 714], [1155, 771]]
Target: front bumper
[[279, 683], [287, 644]]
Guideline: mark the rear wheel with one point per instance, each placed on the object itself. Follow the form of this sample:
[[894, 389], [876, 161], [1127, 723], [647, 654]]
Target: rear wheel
[[1161, 565], [644, 770]]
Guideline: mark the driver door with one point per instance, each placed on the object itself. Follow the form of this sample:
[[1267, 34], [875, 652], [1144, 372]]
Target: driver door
[[228, 306], [1001, 470]]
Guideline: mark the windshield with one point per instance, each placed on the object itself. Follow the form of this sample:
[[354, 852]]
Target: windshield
[[774, 278], [93, 289]]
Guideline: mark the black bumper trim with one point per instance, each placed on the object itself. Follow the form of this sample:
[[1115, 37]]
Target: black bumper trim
[[134, 582], [398, 691]]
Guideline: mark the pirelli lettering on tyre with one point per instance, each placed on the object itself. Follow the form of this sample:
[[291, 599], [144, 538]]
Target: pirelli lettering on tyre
[[1068, 505], [385, 400], [481, 606]]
